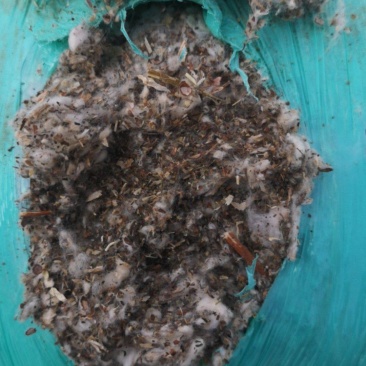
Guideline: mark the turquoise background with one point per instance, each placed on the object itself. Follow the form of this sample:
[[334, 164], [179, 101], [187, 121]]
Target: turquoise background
[[315, 313]]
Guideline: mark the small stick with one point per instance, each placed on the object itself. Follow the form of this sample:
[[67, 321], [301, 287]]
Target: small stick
[[243, 251], [157, 75], [35, 213]]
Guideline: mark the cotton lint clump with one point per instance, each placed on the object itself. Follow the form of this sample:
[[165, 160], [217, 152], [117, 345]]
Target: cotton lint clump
[[163, 196], [286, 9]]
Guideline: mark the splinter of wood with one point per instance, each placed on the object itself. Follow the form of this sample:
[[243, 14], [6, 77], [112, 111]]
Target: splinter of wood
[[35, 213], [243, 251]]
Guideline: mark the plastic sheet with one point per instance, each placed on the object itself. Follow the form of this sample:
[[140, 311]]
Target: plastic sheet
[[314, 313]]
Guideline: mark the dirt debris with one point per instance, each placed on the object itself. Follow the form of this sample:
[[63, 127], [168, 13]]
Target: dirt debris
[[140, 172]]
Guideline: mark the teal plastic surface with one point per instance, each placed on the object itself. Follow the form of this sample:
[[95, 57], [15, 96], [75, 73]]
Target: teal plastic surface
[[315, 312]]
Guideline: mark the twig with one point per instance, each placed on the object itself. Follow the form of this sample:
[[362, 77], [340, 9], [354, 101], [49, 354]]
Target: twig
[[35, 213], [243, 251], [164, 78]]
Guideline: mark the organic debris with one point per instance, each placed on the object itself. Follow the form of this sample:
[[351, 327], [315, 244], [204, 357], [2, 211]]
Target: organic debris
[[287, 9], [154, 183], [30, 331]]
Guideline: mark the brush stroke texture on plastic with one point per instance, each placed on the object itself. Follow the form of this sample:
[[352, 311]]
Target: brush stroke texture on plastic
[[314, 313], [24, 67]]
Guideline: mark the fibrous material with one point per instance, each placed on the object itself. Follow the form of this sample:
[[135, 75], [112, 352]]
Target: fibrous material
[[288, 9], [155, 183]]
